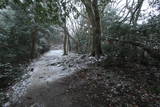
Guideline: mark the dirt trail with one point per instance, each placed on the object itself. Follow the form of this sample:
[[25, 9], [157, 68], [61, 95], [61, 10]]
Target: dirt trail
[[76, 80], [44, 86]]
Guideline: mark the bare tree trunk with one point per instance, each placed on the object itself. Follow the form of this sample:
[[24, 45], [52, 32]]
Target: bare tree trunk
[[69, 44], [70, 37], [136, 13], [94, 18], [33, 47], [97, 32], [90, 37], [65, 42], [65, 45], [78, 46]]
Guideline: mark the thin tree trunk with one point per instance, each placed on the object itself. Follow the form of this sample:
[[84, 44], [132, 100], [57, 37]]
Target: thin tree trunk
[[33, 47], [65, 42], [70, 37], [69, 44], [78, 46], [64, 45], [90, 37], [136, 13]]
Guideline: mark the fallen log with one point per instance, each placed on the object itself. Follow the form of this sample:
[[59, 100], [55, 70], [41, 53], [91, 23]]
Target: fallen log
[[154, 53]]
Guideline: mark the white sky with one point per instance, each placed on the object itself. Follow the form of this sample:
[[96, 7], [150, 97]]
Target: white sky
[[145, 11]]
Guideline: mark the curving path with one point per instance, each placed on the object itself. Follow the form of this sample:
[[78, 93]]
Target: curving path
[[43, 86]]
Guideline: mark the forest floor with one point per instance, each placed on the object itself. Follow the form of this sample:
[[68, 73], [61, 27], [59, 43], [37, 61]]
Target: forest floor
[[76, 80]]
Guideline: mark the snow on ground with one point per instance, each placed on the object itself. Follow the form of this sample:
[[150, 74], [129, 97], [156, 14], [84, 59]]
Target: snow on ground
[[43, 72]]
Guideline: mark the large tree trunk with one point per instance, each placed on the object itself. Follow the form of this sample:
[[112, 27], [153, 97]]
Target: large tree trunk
[[96, 31], [94, 18]]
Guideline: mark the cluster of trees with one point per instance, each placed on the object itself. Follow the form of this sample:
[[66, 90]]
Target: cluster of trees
[[97, 19], [122, 31], [89, 26], [26, 27], [119, 30], [24, 34]]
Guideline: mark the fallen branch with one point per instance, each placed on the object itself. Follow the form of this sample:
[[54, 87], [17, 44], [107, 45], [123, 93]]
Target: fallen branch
[[154, 53]]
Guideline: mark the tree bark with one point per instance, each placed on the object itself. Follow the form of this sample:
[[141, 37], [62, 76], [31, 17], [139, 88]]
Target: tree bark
[[70, 37], [65, 42], [94, 18], [33, 46]]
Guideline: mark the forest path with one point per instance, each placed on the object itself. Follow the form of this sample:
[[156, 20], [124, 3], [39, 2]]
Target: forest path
[[76, 80], [41, 86]]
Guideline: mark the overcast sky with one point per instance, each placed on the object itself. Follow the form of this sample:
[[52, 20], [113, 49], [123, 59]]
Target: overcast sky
[[145, 11]]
